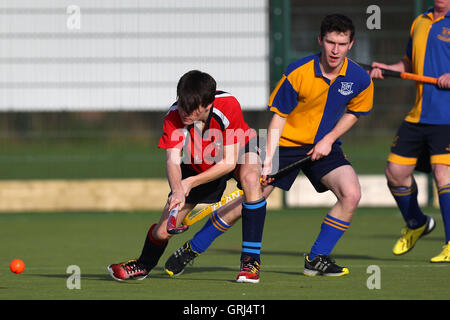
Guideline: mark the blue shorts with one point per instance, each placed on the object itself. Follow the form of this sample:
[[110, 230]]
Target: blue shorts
[[313, 170], [421, 145]]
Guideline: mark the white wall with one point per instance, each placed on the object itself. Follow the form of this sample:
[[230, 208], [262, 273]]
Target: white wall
[[129, 55]]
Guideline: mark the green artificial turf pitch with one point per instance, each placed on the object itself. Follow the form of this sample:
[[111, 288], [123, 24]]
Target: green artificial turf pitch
[[49, 243]]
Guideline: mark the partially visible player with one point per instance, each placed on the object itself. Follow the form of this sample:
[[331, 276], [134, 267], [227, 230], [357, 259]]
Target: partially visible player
[[317, 100], [424, 135], [209, 128]]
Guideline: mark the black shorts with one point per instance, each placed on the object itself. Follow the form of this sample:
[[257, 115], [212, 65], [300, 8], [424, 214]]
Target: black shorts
[[313, 170], [209, 192], [212, 191], [421, 145]]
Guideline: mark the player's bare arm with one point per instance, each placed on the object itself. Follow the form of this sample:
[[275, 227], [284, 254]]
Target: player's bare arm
[[173, 171], [323, 147], [224, 166], [273, 136], [403, 65]]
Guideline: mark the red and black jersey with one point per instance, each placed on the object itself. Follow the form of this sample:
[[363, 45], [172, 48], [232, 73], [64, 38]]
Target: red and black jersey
[[225, 126]]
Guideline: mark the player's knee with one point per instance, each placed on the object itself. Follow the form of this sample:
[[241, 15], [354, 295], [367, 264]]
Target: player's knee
[[390, 175], [351, 198], [398, 175], [250, 180], [441, 175]]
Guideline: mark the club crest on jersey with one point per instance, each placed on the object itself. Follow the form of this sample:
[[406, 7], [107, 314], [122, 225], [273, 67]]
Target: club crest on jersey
[[444, 35], [346, 88]]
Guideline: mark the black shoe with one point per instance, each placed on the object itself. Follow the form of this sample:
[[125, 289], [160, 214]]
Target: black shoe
[[177, 262], [322, 265]]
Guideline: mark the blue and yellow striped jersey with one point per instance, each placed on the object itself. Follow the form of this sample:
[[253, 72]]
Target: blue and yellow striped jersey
[[313, 104], [428, 50]]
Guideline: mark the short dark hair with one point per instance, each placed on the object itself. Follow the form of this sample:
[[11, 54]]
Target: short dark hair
[[195, 89], [337, 22]]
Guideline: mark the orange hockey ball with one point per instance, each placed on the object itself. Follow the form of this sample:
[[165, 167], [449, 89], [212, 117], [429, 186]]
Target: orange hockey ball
[[17, 266]]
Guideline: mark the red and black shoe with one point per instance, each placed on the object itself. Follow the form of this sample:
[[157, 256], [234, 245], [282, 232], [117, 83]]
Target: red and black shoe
[[249, 270], [130, 270]]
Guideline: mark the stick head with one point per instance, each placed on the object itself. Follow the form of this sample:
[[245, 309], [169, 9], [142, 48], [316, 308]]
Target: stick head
[[172, 223]]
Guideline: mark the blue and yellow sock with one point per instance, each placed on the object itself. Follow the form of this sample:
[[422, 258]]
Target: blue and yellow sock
[[213, 228], [406, 198], [253, 217], [331, 231], [444, 202]]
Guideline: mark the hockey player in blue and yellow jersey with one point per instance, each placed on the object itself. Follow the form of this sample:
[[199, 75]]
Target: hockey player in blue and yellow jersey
[[423, 140], [317, 100]]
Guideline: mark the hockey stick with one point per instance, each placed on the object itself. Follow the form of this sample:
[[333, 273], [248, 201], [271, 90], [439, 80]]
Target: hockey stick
[[193, 217], [172, 222], [403, 75]]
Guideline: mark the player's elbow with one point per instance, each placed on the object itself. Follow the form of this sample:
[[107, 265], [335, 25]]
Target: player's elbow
[[228, 164]]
